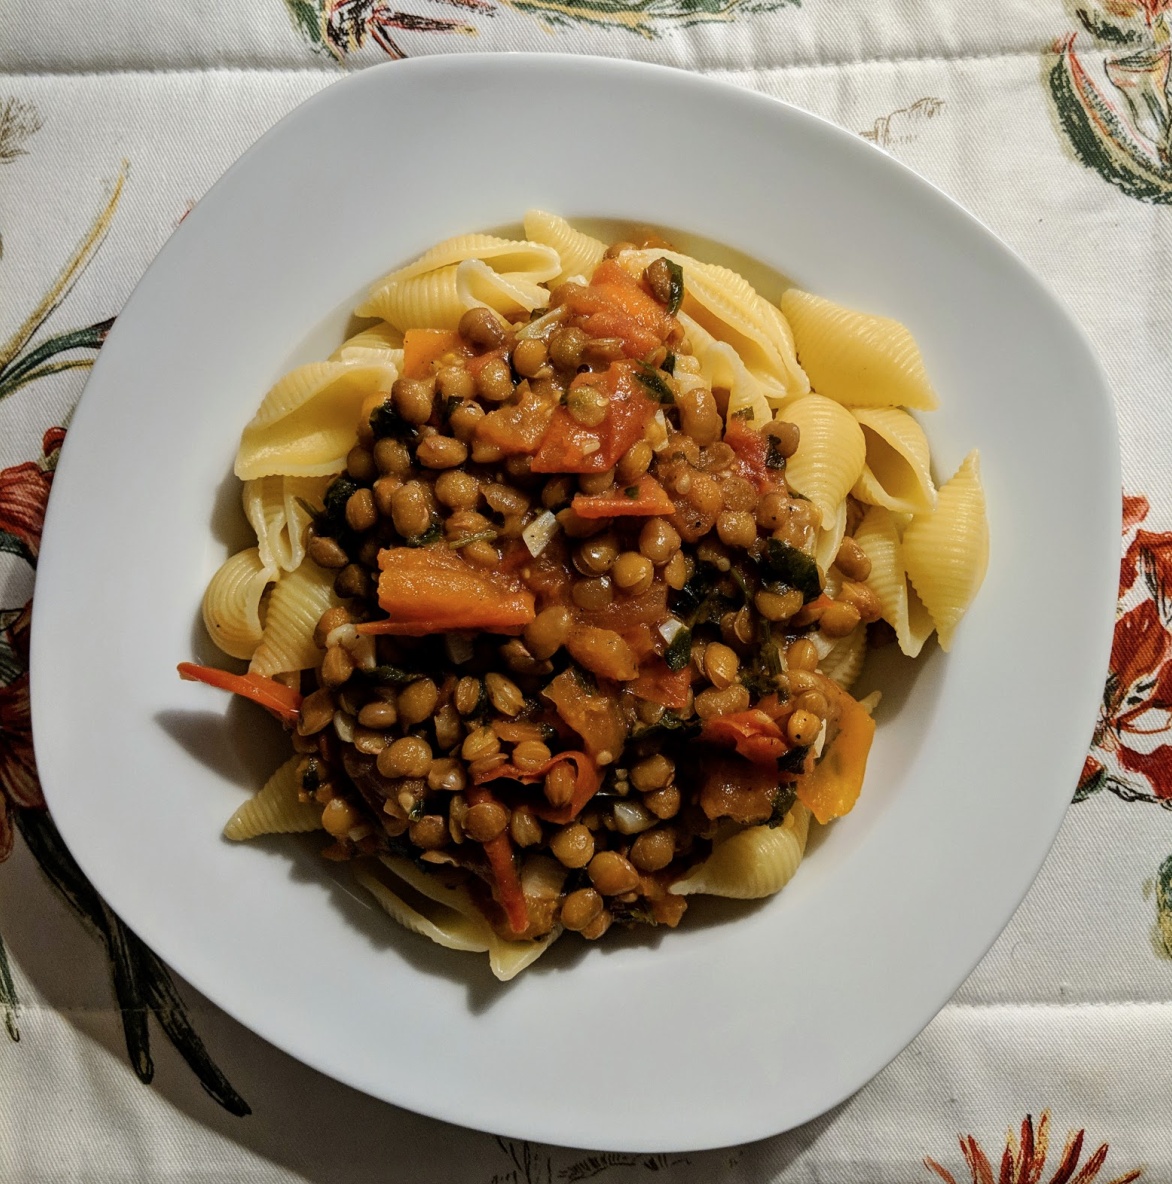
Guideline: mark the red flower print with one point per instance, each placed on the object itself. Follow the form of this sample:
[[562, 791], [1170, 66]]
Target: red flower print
[[1131, 753], [1024, 1162], [24, 494]]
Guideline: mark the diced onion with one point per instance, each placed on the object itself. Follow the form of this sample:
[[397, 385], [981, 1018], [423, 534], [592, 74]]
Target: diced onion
[[632, 817], [669, 629], [343, 635], [538, 533], [344, 726], [458, 647]]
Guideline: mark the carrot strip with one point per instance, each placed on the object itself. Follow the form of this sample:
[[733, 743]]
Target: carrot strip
[[831, 789], [586, 784], [422, 347], [509, 894], [645, 499], [274, 697], [752, 733]]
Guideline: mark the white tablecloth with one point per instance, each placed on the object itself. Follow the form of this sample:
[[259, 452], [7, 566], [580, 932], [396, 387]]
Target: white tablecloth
[[1053, 127]]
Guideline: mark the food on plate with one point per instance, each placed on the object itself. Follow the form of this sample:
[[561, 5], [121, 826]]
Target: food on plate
[[564, 568]]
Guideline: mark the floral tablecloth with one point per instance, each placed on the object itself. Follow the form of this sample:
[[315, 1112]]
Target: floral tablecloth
[[1053, 122]]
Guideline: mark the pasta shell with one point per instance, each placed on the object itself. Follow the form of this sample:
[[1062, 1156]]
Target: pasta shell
[[897, 473], [844, 663], [232, 602], [275, 810], [947, 551], [276, 510], [858, 359], [729, 309], [829, 540], [878, 537], [439, 922], [721, 367], [751, 863], [448, 915], [381, 344], [578, 253], [307, 422], [295, 606], [830, 456]]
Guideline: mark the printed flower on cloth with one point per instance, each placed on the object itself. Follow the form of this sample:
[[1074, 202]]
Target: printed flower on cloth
[[1131, 754]]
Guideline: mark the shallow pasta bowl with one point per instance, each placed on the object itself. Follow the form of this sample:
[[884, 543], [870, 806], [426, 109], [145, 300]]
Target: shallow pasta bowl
[[750, 1020]]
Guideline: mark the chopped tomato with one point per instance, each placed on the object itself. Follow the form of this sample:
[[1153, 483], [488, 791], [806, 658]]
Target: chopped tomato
[[615, 304], [657, 684], [593, 714], [432, 590], [645, 499], [422, 347], [752, 733], [571, 447], [273, 696], [751, 449]]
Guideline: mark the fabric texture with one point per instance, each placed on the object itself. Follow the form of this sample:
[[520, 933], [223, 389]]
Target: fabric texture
[[1054, 127]]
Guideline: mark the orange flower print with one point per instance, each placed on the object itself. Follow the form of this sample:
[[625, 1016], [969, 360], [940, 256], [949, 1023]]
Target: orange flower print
[[1131, 753], [1023, 1161]]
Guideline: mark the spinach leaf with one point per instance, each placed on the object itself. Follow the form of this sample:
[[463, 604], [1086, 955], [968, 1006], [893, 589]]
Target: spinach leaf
[[679, 652], [669, 722], [334, 502], [655, 386], [384, 676], [432, 534], [669, 364], [676, 287], [386, 421], [773, 455], [783, 803], [793, 760], [783, 564]]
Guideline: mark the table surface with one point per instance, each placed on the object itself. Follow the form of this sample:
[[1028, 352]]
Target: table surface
[[1054, 126]]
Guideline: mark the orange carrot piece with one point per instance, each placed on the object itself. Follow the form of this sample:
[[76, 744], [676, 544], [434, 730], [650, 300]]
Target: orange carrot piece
[[422, 347], [831, 789], [509, 894], [645, 499], [586, 784], [432, 590], [273, 696]]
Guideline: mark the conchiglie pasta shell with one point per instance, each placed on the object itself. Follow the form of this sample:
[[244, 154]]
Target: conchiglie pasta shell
[[439, 922], [295, 606], [730, 309], [448, 915], [537, 260], [578, 253], [276, 510], [830, 454], [232, 603], [830, 538], [308, 421], [751, 863], [947, 551], [276, 810], [844, 663], [381, 344], [878, 537], [897, 473], [721, 366], [858, 359], [507, 293]]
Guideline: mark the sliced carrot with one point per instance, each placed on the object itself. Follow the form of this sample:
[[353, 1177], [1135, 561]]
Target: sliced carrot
[[657, 684], [517, 429], [432, 590], [422, 347], [831, 789], [645, 499], [509, 894], [273, 696], [586, 783]]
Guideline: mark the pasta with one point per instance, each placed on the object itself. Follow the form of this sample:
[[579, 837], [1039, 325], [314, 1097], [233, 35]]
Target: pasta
[[566, 565]]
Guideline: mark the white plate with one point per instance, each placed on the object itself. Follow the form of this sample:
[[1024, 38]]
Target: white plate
[[750, 1020]]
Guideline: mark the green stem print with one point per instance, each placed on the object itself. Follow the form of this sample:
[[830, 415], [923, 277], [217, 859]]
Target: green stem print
[[341, 28], [1118, 117], [142, 985]]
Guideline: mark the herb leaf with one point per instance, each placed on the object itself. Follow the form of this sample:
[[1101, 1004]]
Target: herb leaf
[[386, 421], [784, 564], [679, 652], [676, 288], [669, 364], [656, 387], [432, 534], [773, 455], [384, 676], [334, 502], [784, 801]]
